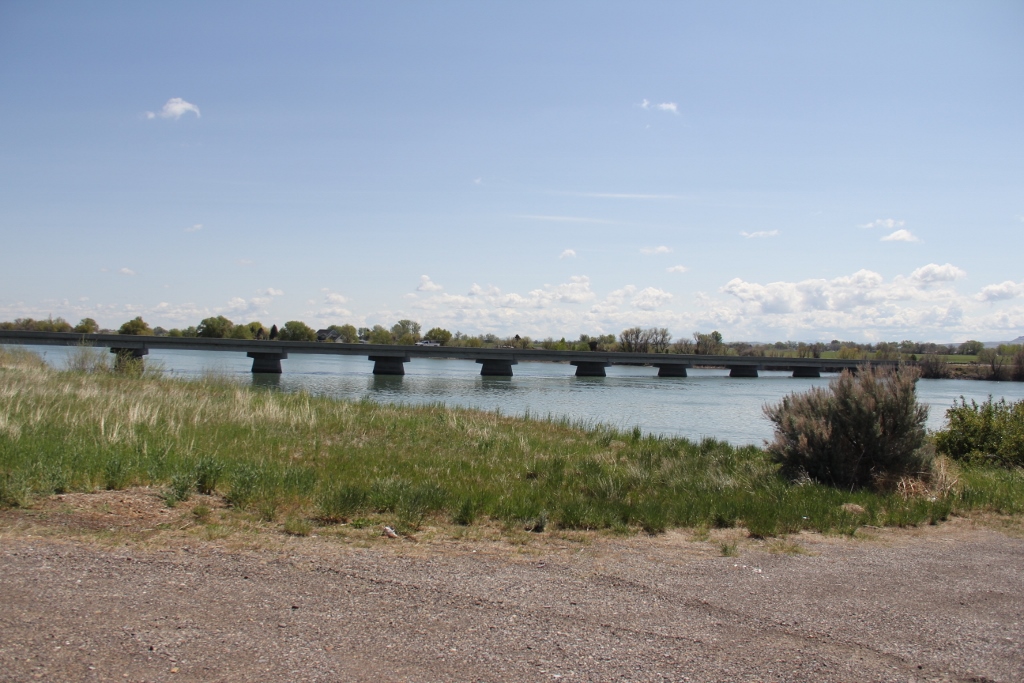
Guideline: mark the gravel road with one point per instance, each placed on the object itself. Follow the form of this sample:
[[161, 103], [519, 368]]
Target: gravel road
[[941, 603]]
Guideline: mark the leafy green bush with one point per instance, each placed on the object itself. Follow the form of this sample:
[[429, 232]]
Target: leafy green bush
[[863, 430], [989, 432]]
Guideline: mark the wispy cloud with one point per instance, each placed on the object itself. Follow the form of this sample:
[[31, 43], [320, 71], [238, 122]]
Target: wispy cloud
[[622, 195], [244, 261], [270, 291], [126, 271], [759, 233], [195, 228], [887, 223], [427, 285], [564, 219], [677, 269], [671, 107], [656, 250], [174, 108], [568, 253], [901, 236]]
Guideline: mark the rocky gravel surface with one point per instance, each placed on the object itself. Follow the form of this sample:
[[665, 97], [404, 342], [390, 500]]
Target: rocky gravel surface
[[936, 604]]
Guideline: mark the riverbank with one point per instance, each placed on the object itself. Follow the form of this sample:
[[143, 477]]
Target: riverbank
[[301, 462]]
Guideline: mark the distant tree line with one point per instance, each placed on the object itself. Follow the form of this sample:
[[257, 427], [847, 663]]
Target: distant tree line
[[1004, 362]]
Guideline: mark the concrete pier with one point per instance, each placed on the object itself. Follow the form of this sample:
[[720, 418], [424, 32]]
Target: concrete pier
[[671, 370], [122, 357], [389, 365], [496, 367], [266, 362], [589, 368], [743, 371], [806, 372]]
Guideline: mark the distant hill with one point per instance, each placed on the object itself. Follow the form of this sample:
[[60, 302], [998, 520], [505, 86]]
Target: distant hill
[[992, 345]]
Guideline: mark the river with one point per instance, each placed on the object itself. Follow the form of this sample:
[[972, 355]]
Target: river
[[707, 403]]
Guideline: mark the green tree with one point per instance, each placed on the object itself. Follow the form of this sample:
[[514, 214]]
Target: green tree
[[241, 332], [404, 330], [708, 344], [970, 347], [379, 335], [215, 328], [438, 334], [87, 326], [296, 330], [347, 334], [136, 326]]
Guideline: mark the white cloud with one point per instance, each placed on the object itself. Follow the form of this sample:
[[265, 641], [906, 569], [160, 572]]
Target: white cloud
[[334, 298], [478, 181], [427, 285], [1004, 290], [195, 228], [664, 106], [887, 223], [270, 291], [244, 261], [126, 271], [759, 233], [174, 108], [677, 269], [568, 253], [936, 273], [901, 236], [656, 250], [650, 298]]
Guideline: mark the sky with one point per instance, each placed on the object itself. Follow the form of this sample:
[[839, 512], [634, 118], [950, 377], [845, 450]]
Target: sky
[[775, 171]]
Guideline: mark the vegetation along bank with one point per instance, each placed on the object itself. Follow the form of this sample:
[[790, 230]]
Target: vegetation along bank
[[293, 461]]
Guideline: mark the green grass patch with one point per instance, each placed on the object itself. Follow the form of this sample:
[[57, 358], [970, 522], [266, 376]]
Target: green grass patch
[[326, 461]]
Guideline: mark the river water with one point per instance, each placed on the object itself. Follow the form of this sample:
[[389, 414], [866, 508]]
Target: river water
[[707, 403]]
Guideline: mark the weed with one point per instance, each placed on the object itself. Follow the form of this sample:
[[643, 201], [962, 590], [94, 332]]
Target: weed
[[208, 472], [116, 474], [728, 549], [297, 526], [201, 513], [182, 484]]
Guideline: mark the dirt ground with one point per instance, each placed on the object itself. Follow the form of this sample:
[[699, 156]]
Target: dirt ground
[[118, 587]]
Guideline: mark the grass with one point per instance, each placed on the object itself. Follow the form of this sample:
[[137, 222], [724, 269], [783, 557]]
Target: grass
[[309, 460]]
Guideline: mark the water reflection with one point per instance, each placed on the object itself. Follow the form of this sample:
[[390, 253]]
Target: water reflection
[[266, 380]]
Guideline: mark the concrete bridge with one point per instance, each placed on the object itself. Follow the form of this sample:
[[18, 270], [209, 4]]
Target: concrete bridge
[[390, 359]]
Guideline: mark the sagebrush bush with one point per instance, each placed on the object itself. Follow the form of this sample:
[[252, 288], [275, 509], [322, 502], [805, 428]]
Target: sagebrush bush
[[989, 432], [864, 430]]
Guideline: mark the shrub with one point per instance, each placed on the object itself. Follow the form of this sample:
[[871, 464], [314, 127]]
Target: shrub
[[860, 431], [933, 366], [990, 431]]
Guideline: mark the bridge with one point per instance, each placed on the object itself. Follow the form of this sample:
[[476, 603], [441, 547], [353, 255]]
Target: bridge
[[390, 359]]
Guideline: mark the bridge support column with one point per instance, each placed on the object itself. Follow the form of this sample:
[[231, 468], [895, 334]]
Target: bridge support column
[[125, 358], [389, 365], [590, 369], [493, 367], [266, 362], [806, 372], [671, 370], [743, 371]]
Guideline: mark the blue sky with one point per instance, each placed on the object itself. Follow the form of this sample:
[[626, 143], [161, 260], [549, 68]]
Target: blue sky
[[790, 170]]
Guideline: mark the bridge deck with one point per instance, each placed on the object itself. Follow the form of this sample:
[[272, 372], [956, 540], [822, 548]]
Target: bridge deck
[[389, 358]]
